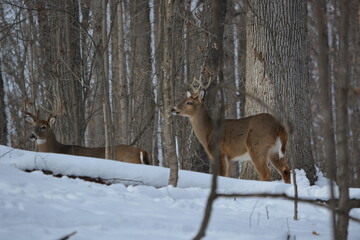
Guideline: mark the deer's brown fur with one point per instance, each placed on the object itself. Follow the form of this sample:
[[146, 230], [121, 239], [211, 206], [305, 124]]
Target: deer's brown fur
[[260, 138], [46, 142]]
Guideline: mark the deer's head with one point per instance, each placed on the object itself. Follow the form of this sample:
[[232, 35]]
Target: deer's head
[[190, 105], [41, 128], [193, 102], [42, 131]]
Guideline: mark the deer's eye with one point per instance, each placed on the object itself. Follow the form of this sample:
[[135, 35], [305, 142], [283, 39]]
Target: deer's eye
[[189, 103], [42, 127]]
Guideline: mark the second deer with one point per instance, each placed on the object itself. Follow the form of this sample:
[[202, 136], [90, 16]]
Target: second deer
[[46, 141], [260, 138]]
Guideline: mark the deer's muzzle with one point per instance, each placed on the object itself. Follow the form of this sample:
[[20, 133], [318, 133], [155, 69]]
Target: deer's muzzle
[[32, 137], [174, 111]]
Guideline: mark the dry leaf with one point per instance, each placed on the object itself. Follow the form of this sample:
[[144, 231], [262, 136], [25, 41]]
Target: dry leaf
[[315, 233]]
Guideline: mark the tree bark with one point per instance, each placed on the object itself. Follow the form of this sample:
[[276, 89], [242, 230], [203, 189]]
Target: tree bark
[[96, 130], [73, 91], [342, 90], [3, 120], [277, 72], [108, 126], [354, 99], [215, 13], [143, 97], [167, 68], [119, 80], [325, 92]]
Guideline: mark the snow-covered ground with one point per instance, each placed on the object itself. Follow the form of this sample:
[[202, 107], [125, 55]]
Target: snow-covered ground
[[38, 206]]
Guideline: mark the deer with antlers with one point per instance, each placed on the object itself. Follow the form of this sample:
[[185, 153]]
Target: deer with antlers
[[46, 141], [260, 138]]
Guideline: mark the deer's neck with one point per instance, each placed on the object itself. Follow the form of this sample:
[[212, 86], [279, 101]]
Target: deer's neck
[[50, 145], [202, 125]]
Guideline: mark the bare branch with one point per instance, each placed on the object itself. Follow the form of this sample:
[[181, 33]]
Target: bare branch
[[284, 196], [68, 236]]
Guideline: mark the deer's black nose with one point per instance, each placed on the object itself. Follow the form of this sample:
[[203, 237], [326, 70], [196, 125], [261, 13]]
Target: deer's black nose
[[32, 137], [174, 111]]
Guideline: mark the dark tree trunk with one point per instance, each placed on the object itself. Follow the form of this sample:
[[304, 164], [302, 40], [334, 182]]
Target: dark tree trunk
[[354, 100], [143, 104], [214, 21], [342, 91], [73, 91], [167, 88], [95, 102], [3, 121], [325, 92], [277, 72]]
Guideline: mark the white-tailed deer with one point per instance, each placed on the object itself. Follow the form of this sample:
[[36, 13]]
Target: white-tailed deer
[[260, 138], [46, 141]]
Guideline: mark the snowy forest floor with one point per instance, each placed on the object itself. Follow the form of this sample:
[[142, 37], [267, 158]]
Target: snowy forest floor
[[140, 205]]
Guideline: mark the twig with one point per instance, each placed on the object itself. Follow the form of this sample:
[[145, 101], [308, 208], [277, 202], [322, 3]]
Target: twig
[[8, 152], [267, 212], [252, 212], [284, 196], [67, 236]]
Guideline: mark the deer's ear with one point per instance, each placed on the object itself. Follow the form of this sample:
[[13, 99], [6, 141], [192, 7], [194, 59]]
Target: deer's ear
[[188, 94], [202, 95], [52, 120], [29, 119]]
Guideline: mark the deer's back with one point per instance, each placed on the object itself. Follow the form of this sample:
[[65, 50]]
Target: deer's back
[[261, 129], [125, 153], [86, 152]]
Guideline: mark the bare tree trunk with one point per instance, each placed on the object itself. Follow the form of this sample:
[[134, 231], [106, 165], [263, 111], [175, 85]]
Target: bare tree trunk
[[215, 12], [119, 81], [45, 42], [75, 106], [115, 6], [109, 130], [277, 72], [342, 91], [354, 100], [158, 148], [3, 120], [325, 91], [178, 77], [85, 6], [231, 74], [124, 93], [143, 97], [96, 123], [167, 71]]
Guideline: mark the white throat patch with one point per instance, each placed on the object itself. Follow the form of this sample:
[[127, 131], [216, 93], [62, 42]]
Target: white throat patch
[[40, 141]]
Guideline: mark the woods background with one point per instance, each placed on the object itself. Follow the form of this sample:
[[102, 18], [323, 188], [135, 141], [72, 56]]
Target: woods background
[[120, 65]]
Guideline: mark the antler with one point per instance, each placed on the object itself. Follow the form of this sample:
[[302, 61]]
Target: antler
[[197, 84], [23, 109], [58, 108]]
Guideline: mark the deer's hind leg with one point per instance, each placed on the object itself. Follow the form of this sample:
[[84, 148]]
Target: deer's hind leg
[[281, 166]]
